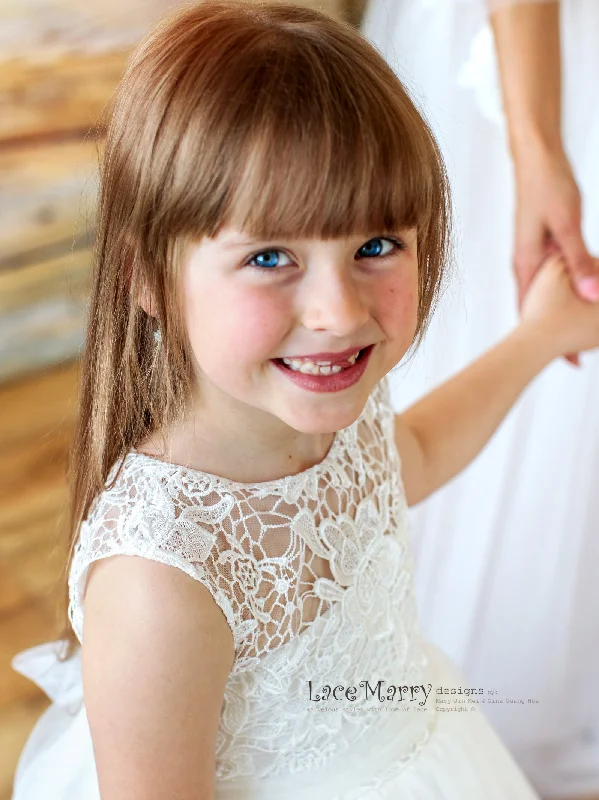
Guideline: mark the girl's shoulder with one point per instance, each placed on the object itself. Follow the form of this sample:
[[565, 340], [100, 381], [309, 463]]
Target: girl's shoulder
[[154, 510]]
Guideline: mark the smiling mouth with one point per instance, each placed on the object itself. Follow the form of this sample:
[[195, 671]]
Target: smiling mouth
[[308, 367]]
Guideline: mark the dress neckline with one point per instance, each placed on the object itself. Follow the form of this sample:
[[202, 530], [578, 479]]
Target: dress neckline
[[303, 476], [330, 456]]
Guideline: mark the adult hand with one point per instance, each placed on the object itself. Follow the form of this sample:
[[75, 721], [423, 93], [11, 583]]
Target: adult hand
[[548, 219]]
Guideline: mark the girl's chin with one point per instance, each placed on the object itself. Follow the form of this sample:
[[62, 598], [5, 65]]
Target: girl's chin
[[312, 425]]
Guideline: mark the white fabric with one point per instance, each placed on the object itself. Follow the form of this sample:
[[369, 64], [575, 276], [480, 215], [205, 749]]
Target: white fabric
[[313, 574], [506, 554]]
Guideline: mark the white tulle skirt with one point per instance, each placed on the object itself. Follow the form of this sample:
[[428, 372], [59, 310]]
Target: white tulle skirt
[[461, 758], [506, 554]]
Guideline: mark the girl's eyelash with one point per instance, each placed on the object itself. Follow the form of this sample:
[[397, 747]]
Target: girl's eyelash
[[398, 244]]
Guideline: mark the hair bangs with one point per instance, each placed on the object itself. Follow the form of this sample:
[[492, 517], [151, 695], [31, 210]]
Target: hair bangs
[[305, 151], [329, 179]]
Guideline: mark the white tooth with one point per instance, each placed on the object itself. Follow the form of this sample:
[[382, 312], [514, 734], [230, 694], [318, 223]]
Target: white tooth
[[309, 368], [324, 363], [352, 359], [286, 361]]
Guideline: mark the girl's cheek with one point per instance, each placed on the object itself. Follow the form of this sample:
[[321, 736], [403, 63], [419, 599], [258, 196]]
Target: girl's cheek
[[242, 328], [260, 324], [397, 302]]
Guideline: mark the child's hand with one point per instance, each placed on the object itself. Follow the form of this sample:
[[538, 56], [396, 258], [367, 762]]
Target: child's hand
[[552, 307]]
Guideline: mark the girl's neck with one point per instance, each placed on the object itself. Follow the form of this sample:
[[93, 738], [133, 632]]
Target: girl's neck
[[239, 458]]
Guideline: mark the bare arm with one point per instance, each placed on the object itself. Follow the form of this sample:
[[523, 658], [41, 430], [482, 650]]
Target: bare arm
[[440, 435], [156, 656], [548, 204], [527, 41]]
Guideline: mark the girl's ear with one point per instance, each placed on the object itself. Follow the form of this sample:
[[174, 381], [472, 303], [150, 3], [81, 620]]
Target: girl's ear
[[145, 299], [137, 287]]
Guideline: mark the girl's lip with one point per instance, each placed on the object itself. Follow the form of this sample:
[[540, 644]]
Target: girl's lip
[[336, 382]]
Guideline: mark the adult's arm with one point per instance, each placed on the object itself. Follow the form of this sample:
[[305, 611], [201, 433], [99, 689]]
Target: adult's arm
[[548, 203]]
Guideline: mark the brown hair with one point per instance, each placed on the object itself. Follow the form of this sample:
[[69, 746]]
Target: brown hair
[[271, 117]]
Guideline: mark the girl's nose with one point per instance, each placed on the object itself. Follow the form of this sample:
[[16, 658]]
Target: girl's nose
[[335, 302]]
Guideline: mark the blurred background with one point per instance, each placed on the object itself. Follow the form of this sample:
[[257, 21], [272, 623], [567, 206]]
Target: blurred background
[[60, 61]]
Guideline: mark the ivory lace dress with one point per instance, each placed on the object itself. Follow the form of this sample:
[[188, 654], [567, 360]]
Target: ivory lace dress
[[313, 574]]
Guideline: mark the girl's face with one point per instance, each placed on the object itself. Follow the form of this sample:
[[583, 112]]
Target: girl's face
[[250, 303]]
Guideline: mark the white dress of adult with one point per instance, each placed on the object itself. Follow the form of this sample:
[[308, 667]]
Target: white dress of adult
[[507, 553]]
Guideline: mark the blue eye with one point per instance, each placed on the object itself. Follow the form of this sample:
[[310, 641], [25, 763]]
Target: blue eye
[[378, 247], [269, 259]]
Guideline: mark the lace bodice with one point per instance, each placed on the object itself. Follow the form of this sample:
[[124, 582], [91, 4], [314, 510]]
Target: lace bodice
[[312, 573]]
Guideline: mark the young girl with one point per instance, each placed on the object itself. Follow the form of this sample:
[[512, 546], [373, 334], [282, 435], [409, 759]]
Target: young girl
[[273, 229]]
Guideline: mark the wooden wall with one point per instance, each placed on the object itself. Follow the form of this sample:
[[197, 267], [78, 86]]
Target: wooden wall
[[60, 61]]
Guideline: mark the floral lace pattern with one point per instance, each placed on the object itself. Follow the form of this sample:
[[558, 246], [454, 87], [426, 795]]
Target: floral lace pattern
[[312, 573]]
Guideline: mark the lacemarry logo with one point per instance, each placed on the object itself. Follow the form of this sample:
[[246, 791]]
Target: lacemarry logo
[[381, 691]]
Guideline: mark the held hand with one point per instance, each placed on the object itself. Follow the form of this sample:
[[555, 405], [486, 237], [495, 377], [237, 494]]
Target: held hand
[[552, 308], [548, 220]]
